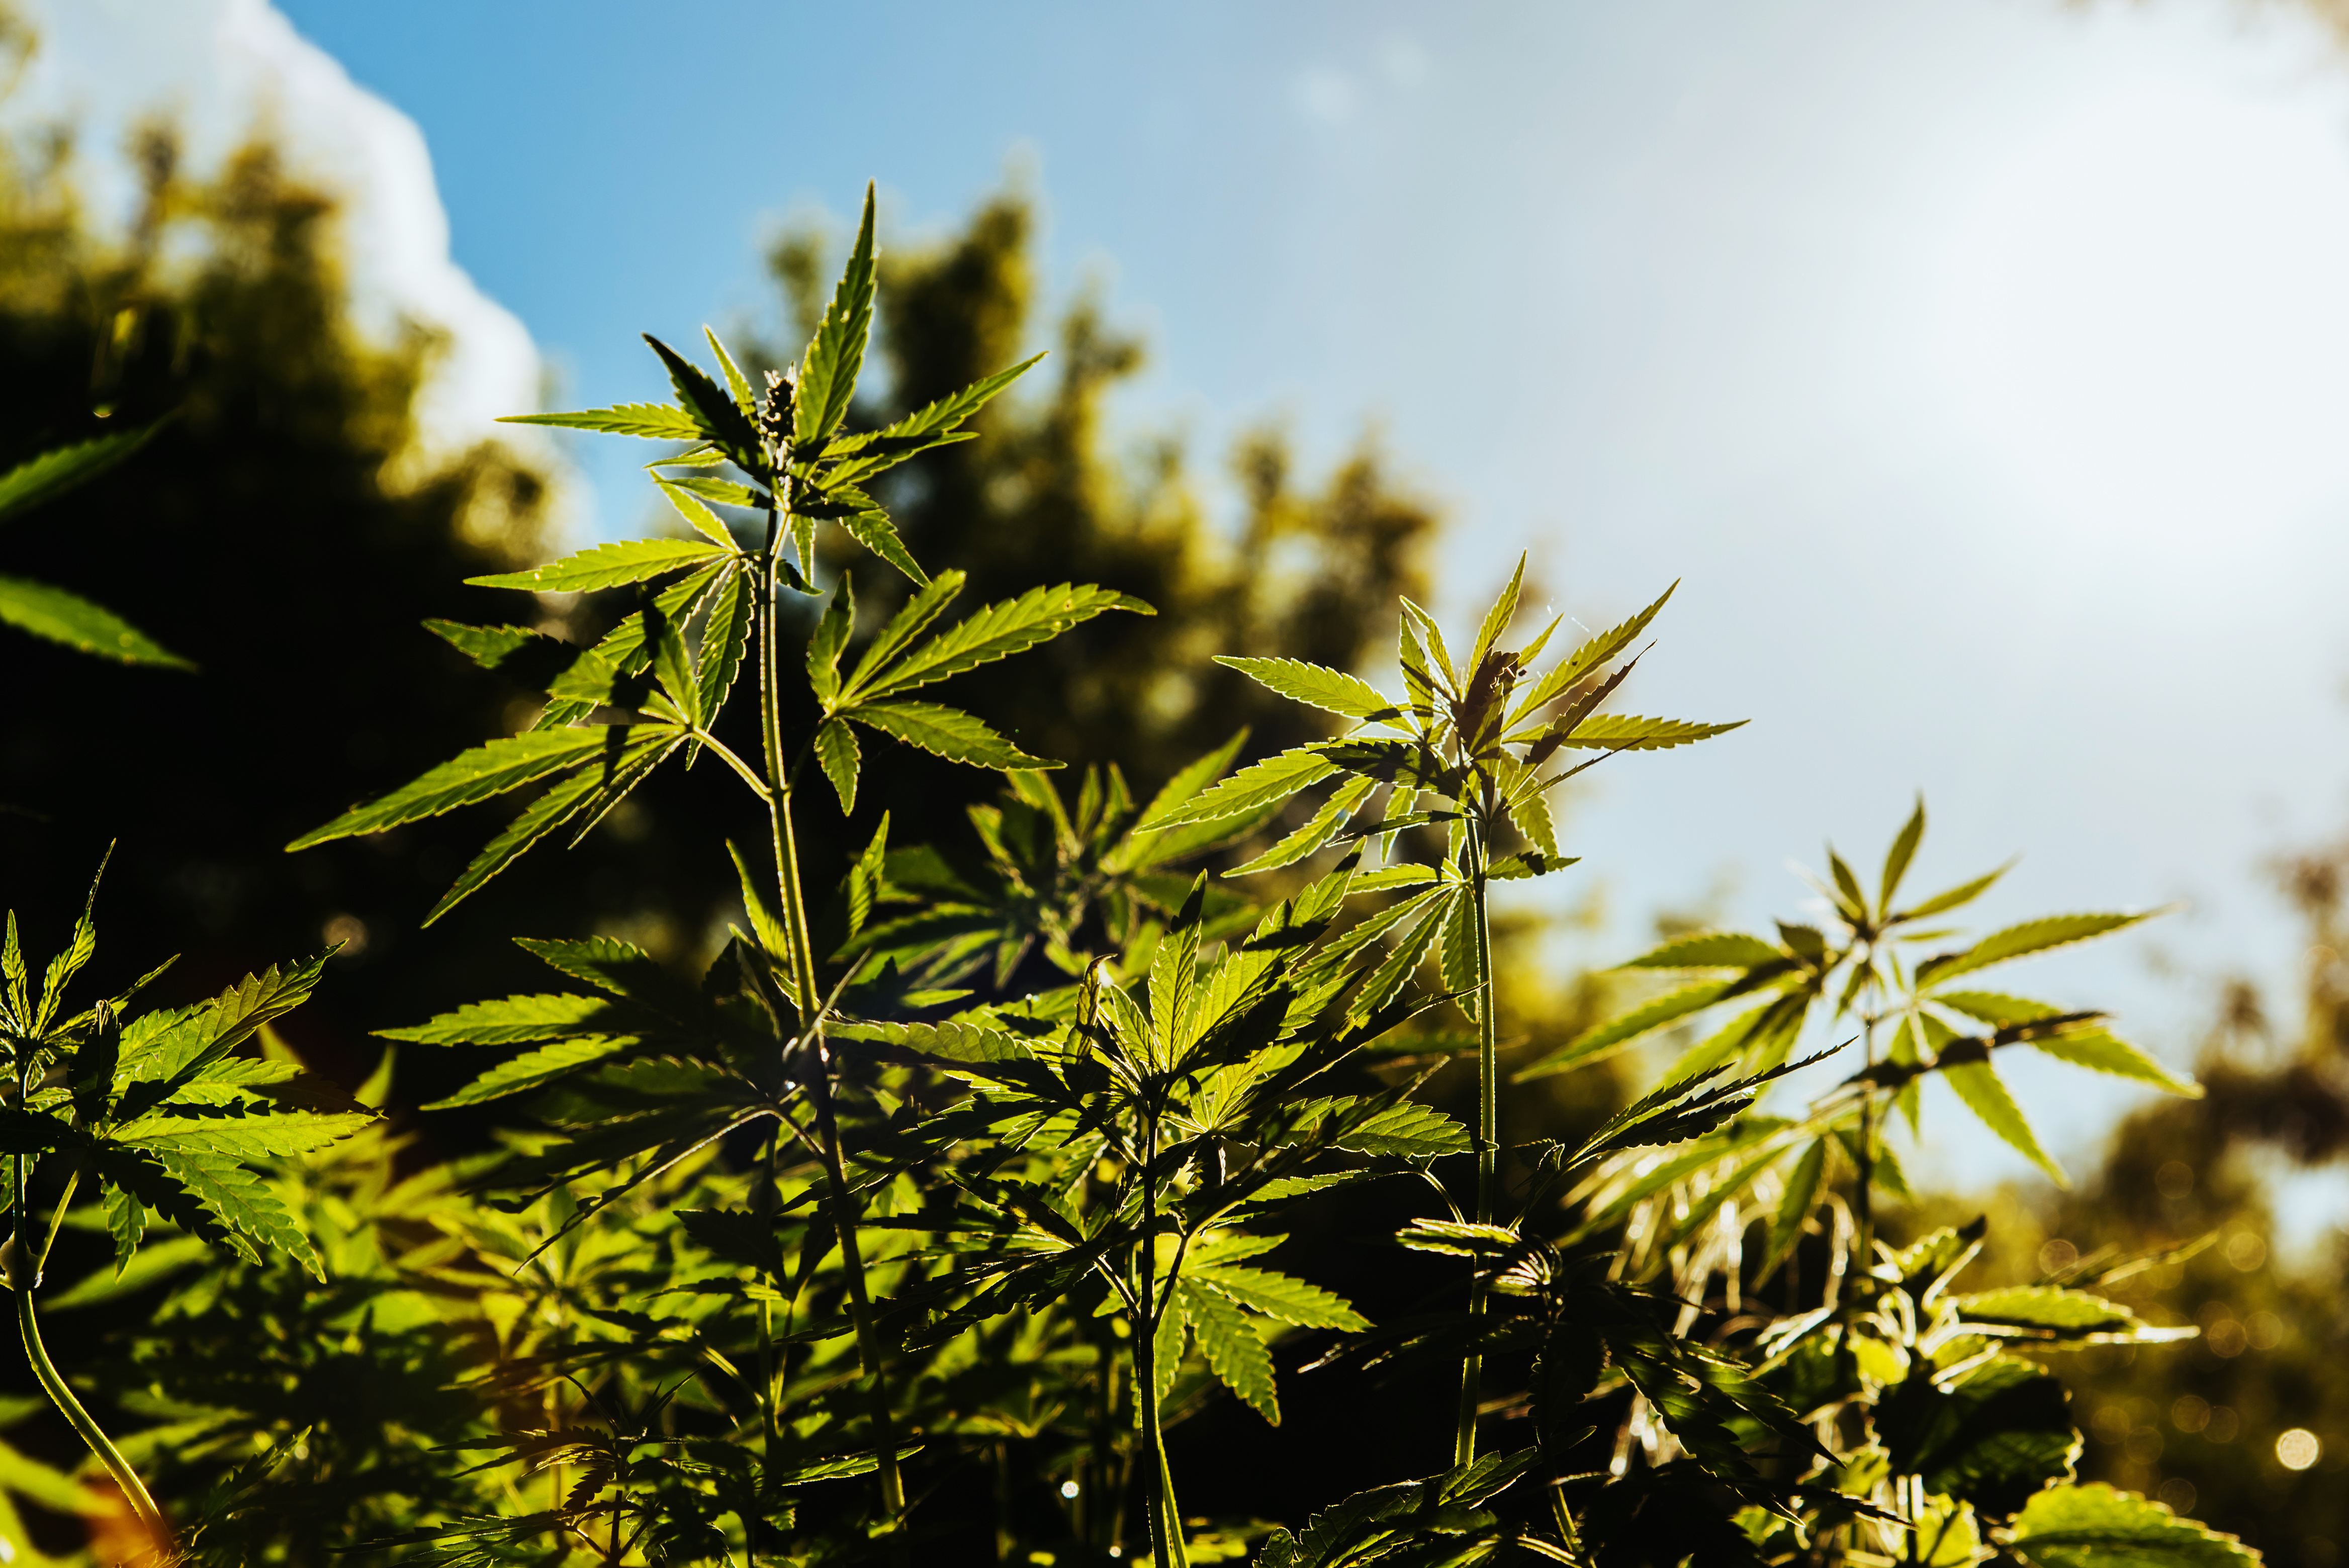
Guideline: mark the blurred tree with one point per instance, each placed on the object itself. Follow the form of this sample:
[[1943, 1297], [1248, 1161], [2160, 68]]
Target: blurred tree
[[290, 478], [2200, 1424]]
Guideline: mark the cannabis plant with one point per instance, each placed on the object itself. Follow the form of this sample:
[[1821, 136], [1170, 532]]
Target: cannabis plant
[[152, 1114], [972, 1165]]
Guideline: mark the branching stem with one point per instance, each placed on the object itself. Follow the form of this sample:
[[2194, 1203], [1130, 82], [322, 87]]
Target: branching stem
[[1488, 1135], [28, 1274], [803, 982]]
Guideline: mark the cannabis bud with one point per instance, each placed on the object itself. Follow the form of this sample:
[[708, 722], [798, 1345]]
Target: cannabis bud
[[776, 411]]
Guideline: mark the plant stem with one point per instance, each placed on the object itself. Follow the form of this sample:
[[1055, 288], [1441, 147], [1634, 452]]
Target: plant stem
[[27, 1275], [1488, 1135], [1166, 1519], [1864, 1207], [802, 956]]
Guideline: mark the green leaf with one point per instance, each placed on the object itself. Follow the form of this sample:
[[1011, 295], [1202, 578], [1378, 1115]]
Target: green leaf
[[588, 793], [1794, 1204], [1434, 635], [768, 929], [836, 750], [488, 646], [1276, 1295], [248, 1212], [735, 384], [1407, 1130], [867, 876], [1710, 950], [1167, 1346], [608, 566], [828, 373], [512, 1021], [689, 506], [2019, 940], [621, 968], [1266, 783], [1317, 831], [1530, 811], [1955, 898], [48, 474], [2094, 1526], [1897, 859], [1978, 1085], [654, 421], [1402, 962], [244, 1134], [994, 633], [711, 409], [61, 617], [1457, 956], [480, 774], [872, 528], [2047, 1313], [725, 492], [926, 605], [1630, 732], [1994, 1009], [1603, 1039], [2106, 1052], [623, 647], [1332, 691], [926, 425], [948, 732], [1993, 1439], [1232, 1348], [680, 684], [1584, 660], [160, 1046], [1496, 619], [534, 1068], [725, 638]]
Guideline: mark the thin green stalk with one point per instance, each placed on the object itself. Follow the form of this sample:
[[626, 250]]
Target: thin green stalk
[[752, 1529], [802, 956], [1166, 1518], [1864, 1207], [28, 1274], [1488, 1136]]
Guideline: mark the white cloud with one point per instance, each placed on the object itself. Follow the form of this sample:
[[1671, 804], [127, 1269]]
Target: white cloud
[[222, 70]]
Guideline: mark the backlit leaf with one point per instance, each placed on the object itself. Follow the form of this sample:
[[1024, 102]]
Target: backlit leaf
[[2095, 1526], [655, 421], [837, 752], [534, 1069], [828, 373], [48, 474], [948, 732], [2019, 941], [1333, 691], [1984, 1094], [608, 566], [1630, 732], [485, 771], [57, 616], [1266, 783]]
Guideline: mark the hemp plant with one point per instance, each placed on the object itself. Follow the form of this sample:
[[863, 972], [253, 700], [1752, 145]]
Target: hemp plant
[[749, 1054], [1464, 749], [156, 1114]]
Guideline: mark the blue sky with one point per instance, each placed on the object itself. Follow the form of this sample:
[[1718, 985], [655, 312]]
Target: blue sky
[[1981, 366]]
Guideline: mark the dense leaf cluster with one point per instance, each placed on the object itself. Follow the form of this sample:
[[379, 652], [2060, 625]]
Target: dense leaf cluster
[[765, 1264]]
